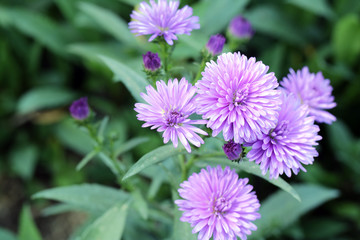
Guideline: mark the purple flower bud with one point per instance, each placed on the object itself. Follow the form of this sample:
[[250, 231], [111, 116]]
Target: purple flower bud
[[151, 61], [232, 150], [241, 28], [79, 109], [215, 44]]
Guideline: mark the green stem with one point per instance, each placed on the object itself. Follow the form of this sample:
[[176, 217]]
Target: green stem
[[183, 167], [201, 69], [164, 53], [110, 158], [206, 58], [93, 135], [190, 163]]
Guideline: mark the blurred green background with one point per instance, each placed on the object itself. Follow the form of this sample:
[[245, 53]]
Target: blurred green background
[[49, 56]]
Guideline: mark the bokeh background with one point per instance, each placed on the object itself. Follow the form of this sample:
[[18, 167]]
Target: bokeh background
[[49, 56]]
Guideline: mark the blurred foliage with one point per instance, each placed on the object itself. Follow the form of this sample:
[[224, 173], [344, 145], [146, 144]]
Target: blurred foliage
[[52, 52]]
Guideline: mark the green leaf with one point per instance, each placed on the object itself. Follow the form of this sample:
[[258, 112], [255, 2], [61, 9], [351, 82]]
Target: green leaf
[[344, 144], [7, 235], [140, 204], [86, 159], [73, 137], [109, 226], [324, 228], [23, 160], [157, 155], [102, 126], [130, 145], [35, 25], [110, 163], [181, 230], [190, 45], [131, 2], [5, 16], [280, 210], [252, 168], [346, 38], [110, 22], [207, 10], [59, 208], [274, 57], [91, 197], [93, 50], [319, 7], [340, 135], [270, 20], [44, 97], [134, 82], [27, 228]]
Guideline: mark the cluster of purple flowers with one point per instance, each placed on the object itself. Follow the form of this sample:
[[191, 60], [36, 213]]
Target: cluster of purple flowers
[[239, 98]]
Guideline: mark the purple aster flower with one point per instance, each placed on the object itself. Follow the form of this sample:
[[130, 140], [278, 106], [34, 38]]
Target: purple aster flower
[[238, 97], [218, 204], [241, 28], [290, 144], [215, 44], [151, 61], [232, 150], [313, 90], [168, 110], [79, 109], [163, 19]]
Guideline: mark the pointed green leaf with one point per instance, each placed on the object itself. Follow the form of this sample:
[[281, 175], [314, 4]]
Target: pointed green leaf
[[252, 168], [23, 160], [102, 126], [36, 25], [140, 204], [86, 160], [74, 137], [108, 21], [159, 154], [207, 9], [346, 38], [109, 226], [55, 209], [134, 82], [319, 7], [91, 51], [44, 97], [91, 197], [271, 20], [110, 163], [280, 210], [131, 2], [7, 235], [27, 228], [130, 144]]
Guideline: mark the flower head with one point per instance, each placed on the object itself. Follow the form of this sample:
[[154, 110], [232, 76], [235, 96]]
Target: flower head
[[151, 61], [218, 204], [238, 97], [163, 18], [313, 90], [290, 144], [241, 28], [215, 44], [79, 109], [168, 109], [232, 150]]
